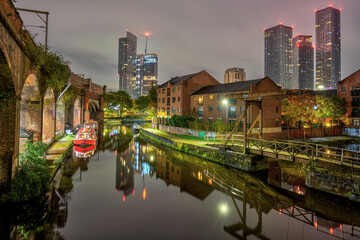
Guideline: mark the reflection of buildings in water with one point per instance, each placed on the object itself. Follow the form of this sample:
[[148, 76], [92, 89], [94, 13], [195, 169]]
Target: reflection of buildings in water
[[283, 179], [142, 156], [189, 180], [125, 171]]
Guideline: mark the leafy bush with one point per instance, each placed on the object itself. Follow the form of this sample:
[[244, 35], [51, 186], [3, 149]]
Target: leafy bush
[[31, 180], [34, 152], [180, 121]]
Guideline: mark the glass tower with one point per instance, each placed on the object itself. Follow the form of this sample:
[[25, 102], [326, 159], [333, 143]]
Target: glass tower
[[278, 54], [146, 73], [127, 63], [328, 54], [303, 77]]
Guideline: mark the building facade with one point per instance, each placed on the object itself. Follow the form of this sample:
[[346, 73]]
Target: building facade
[[226, 102], [146, 73], [234, 75], [349, 90], [278, 54], [328, 48], [127, 64], [174, 95], [303, 76]]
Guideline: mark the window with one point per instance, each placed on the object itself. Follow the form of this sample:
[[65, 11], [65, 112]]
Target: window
[[242, 108], [232, 101], [219, 109], [173, 89], [178, 109], [201, 100], [159, 109], [163, 109], [159, 100], [168, 111], [201, 111], [194, 99], [355, 122], [163, 91], [159, 91], [178, 88], [173, 110], [178, 99], [201, 119], [163, 100], [211, 96], [232, 112], [343, 89], [277, 122], [173, 99], [277, 109], [210, 109], [210, 119], [220, 96]]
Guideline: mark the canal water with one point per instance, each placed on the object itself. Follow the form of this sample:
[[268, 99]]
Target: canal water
[[128, 188]]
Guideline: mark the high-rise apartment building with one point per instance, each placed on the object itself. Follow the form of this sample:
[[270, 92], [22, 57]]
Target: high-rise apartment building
[[234, 75], [278, 54], [303, 55], [127, 63], [146, 73], [328, 48]]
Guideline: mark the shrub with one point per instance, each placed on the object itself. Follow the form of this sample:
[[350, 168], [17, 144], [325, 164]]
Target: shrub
[[31, 180], [34, 152]]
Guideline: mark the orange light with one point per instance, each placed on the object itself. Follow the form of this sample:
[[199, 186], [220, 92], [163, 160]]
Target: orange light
[[280, 23], [298, 45], [316, 224], [144, 194], [264, 29], [147, 34], [331, 231], [330, 5], [341, 226], [313, 46], [210, 181], [292, 27], [298, 188], [315, 10], [118, 74], [123, 198], [340, 9], [280, 211], [292, 208]]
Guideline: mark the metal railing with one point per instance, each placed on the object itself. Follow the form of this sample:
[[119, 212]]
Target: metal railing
[[291, 149]]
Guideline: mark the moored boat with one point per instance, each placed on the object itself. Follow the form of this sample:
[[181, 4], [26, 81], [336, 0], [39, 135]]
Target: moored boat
[[86, 135]]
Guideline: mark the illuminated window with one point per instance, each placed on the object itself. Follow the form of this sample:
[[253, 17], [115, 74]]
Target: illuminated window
[[163, 109], [201, 100], [178, 109], [220, 96], [173, 110], [211, 97], [194, 99]]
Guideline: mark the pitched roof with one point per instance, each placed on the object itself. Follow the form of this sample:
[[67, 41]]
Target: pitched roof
[[177, 80], [227, 87], [349, 77]]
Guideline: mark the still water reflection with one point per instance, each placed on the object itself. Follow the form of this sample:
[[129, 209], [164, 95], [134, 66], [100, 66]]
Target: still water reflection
[[130, 189]]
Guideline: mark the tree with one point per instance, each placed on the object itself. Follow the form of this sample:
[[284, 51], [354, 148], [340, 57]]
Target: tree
[[153, 95], [142, 103], [118, 101]]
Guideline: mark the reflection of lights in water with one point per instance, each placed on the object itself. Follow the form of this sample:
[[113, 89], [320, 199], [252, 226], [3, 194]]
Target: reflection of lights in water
[[223, 208], [341, 226], [331, 230], [133, 192], [124, 198], [327, 151], [210, 181], [144, 193], [316, 225], [280, 211], [152, 158], [145, 168]]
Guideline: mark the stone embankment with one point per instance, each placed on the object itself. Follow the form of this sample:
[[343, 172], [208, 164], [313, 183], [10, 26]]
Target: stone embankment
[[246, 162]]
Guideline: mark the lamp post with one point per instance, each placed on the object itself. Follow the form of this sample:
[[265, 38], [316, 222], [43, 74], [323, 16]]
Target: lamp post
[[225, 102]]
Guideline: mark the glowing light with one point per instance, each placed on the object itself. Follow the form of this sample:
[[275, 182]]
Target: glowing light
[[225, 102], [210, 181], [133, 191], [331, 230], [280, 23], [264, 29], [292, 208], [147, 34], [123, 198], [144, 193], [298, 45], [316, 224], [330, 5], [315, 10], [117, 74], [223, 208], [152, 158], [280, 211], [313, 46], [341, 226], [292, 27], [116, 190], [298, 188], [327, 151], [340, 9]]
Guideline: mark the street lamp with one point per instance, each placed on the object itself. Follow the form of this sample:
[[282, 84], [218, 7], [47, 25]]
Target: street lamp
[[225, 102]]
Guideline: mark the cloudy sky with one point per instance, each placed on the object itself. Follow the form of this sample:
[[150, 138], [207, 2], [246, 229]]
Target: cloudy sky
[[188, 35]]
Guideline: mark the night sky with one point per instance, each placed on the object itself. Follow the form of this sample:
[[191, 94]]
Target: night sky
[[188, 35]]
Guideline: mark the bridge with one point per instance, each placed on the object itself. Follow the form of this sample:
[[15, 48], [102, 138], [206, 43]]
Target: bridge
[[294, 151], [25, 100]]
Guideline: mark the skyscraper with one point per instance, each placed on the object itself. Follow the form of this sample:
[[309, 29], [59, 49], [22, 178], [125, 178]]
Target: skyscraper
[[127, 63], [234, 75], [278, 54], [328, 51], [146, 73], [303, 77]]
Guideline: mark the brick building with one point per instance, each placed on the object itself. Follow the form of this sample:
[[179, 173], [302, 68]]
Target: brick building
[[208, 102], [174, 95], [349, 90]]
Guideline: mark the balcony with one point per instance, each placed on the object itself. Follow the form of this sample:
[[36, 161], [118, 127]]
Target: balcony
[[355, 93], [355, 103]]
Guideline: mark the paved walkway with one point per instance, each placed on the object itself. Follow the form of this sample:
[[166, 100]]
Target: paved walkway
[[56, 151], [178, 138]]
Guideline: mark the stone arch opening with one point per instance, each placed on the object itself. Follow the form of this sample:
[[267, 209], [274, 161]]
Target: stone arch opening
[[30, 107], [8, 122], [93, 109]]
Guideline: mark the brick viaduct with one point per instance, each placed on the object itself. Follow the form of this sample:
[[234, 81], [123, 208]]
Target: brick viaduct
[[20, 95]]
